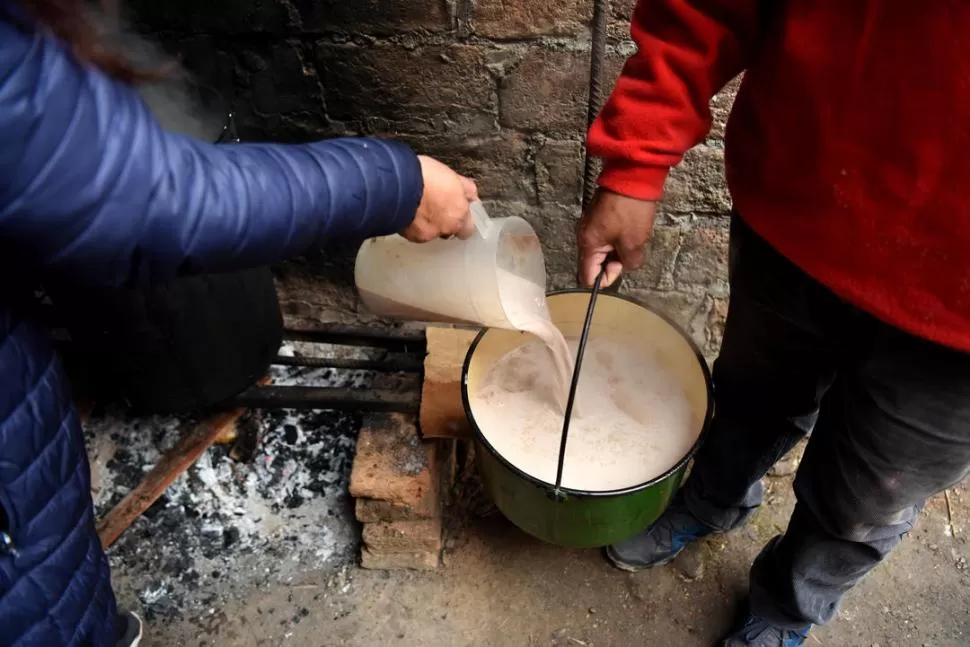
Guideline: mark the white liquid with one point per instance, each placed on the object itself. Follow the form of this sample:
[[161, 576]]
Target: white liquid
[[525, 307], [635, 420]]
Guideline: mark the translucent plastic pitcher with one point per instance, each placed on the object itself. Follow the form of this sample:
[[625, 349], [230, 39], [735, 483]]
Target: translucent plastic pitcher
[[456, 281]]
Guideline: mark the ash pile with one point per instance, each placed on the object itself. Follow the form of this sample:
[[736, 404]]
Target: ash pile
[[228, 526]]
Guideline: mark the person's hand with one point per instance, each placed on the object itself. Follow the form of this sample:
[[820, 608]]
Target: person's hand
[[615, 227], [444, 210]]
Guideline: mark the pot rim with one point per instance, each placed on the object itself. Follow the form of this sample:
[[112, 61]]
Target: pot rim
[[481, 439]]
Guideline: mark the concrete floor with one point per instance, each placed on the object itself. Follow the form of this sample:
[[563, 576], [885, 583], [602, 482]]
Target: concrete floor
[[500, 588]]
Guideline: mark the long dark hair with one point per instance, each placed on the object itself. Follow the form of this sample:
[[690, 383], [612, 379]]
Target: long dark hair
[[71, 22]]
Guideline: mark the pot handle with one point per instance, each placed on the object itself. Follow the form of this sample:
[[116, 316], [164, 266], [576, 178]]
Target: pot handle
[[567, 416]]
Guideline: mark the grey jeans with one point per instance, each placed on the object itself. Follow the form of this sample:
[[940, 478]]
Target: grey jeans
[[891, 418]]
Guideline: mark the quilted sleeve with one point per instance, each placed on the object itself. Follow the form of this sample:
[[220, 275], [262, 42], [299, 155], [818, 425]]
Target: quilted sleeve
[[92, 188]]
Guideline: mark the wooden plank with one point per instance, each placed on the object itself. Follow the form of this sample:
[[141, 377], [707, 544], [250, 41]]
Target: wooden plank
[[173, 463], [442, 414]]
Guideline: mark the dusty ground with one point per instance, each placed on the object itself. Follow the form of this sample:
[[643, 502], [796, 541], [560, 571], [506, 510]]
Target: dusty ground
[[501, 588]]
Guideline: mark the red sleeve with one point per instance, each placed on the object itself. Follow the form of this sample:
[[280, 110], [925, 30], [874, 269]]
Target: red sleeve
[[687, 51]]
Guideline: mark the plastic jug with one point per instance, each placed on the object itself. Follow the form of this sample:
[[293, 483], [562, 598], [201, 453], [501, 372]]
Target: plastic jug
[[452, 280]]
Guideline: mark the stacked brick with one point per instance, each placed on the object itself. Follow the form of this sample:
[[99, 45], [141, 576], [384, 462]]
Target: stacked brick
[[401, 484]]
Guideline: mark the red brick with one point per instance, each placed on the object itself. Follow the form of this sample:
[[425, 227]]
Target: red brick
[[374, 511], [406, 85], [525, 18], [379, 17], [426, 561], [559, 172], [548, 89], [696, 185], [448, 451], [394, 465], [403, 536]]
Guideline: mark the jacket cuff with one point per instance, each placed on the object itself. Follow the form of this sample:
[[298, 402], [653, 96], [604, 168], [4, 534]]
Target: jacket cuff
[[411, 187], [634, 180]]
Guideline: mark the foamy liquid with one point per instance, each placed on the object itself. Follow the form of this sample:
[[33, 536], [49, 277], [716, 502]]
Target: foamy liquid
[[525, 307], [635, 421]]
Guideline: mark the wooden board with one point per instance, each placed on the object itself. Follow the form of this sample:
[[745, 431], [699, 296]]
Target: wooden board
[[173, 463], [441, 413]]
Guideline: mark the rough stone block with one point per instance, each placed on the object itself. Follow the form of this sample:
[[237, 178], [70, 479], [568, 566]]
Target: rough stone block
[[721, 106], [623, 9], [214, 16], [500, 165], [280, 92], [525, 19], [442, 412], [696, 185], [378, 17], [715, 325], [394, 465], [556, 227], [206, 61], [702, 260], [548, 90], [403, 536], [405, 85], [657, 270], [559, 172], [310, 294], [425, 561]]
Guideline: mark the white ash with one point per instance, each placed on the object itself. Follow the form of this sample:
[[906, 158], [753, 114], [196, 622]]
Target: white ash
[[225, 527]]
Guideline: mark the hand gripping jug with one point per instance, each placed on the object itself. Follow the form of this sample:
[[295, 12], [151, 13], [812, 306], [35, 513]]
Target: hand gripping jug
[[480, 280]]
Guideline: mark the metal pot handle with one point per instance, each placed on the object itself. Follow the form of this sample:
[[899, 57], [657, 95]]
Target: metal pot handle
[[557, 492]]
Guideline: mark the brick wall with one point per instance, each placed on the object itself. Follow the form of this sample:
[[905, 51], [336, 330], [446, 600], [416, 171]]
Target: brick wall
[[496, 88]]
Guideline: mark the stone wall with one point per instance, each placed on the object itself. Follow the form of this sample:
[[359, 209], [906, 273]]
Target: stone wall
[[496, 88]]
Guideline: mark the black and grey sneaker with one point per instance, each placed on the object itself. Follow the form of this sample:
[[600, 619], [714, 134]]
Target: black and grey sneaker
[[659, 543], [128, 628], [758, 632]]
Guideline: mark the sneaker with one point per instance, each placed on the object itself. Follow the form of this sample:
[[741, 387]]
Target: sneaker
[[758, 632], [127, 629], [659, 543]]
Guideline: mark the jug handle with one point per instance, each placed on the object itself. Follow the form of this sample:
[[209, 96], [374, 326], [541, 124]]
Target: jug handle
[[483, 224]]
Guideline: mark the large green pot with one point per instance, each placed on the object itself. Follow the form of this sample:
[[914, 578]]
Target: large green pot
[[577, 518]]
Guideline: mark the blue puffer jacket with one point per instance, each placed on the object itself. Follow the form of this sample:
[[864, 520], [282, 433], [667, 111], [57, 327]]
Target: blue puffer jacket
[[92, 189]]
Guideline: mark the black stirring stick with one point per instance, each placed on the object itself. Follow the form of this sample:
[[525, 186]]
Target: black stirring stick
[[575, 381]]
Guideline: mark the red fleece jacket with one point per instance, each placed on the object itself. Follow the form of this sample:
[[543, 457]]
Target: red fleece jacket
[[848, 148]]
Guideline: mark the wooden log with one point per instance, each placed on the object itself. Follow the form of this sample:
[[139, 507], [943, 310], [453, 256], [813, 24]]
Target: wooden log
[[173, 463], [441, 413]]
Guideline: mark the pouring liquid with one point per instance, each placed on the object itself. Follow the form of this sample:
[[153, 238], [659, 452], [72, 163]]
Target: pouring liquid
[[526, 309]]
